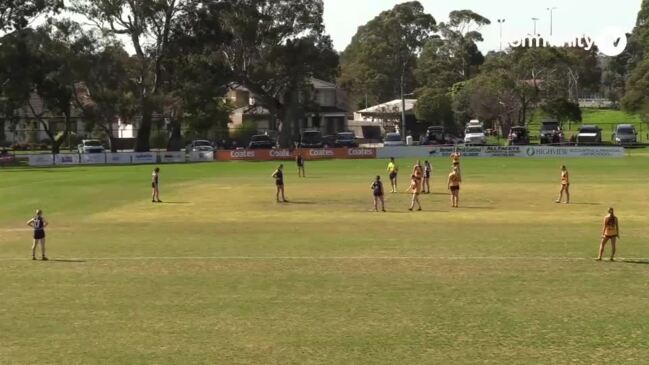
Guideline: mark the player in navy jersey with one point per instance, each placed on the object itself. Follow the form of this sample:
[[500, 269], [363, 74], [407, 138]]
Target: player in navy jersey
[[299, 160], [378, 193], [38, 223], [155, 185], [278, 175]]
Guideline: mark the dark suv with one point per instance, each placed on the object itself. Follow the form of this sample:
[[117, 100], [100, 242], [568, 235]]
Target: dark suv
[[434, 135], [589, 134], [346, 139], [518, 136], [261, 142], [550, 132], [311, 139]]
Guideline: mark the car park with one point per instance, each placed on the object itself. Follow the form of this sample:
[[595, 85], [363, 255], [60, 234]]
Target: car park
[[589, 135], [625, 134], [311, 139], [550, 132], [200, 145], [91, 146], [474, 133], [261, 142], [518, 136], [346, 139], [392, 139]]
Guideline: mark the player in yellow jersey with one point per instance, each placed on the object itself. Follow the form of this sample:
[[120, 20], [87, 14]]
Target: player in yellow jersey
[[454, 180], [393, 170], [565, 185], [610, 232]]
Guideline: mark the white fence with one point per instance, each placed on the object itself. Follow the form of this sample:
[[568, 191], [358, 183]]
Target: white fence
[[500, 151], [118, 158]]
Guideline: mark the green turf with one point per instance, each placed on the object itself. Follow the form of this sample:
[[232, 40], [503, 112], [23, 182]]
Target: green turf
[[224, 275]]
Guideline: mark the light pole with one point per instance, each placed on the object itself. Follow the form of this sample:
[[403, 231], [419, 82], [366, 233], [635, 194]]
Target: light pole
[[535, 20], [551, 10], [500, 24]]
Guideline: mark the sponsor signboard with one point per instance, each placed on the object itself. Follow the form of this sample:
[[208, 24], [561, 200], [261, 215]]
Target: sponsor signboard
[[93, 158], [67, 159], [198, 156], [7, 159], [501, 151], [307, 153], [144, 157], [172, 157], [118, 158], [41, 160]]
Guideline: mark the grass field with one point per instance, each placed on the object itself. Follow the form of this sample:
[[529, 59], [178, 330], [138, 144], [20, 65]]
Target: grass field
[[221, 274]]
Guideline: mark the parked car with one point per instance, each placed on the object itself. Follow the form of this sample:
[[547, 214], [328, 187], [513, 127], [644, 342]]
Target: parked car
[[311, 139], [550, 132], [625, 134], [518, 136], [261, 142], [346, 139], [474, 133], [91, 146], [329, 141], [434, 135], [392, 139], [589, 134], [200, 145]]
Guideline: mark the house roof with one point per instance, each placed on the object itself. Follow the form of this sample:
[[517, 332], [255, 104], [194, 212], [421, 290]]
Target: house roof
[[393, 106], [321, 84]]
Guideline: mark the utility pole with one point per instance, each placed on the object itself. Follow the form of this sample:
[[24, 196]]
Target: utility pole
[[403, 102], [500, 24], [535, 20], [551, 10]]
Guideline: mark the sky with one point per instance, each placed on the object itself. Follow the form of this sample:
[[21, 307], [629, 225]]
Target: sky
[[571, 18]]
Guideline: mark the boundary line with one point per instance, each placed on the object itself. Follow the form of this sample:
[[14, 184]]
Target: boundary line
[[323, 258]]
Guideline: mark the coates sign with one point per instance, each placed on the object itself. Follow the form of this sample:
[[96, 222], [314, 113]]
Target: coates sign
[[286, 154]]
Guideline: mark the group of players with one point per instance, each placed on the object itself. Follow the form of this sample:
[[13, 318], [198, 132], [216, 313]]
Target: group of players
[[419, 183]]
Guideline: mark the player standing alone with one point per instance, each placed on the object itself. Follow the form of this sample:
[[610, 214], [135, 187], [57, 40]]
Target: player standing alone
[[415, 187], [155, 185], [299, 160], [377, 192], [38, 223], [565, 185], [393, 170], [454, 180], [278, 175], [428, 170], [610, 232]]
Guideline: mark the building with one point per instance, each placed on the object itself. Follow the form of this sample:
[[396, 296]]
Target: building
[[386, 117], [327, 111]]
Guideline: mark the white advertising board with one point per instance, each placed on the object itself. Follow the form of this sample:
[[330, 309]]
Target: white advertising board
[[144, 157], [93, 158], [201, 156], [41, 160], [172, 157], [67, 159], [500, 151], [118, 158]]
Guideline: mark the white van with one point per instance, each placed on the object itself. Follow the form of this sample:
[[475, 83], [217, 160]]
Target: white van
[[474, 133]]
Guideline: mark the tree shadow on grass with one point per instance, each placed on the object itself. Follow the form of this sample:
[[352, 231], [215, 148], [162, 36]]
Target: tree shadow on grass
[[296, 202], [594, 204], [636, 262], [67, 261]]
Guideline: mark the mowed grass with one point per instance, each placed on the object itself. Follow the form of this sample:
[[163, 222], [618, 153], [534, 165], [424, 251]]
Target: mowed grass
[[221, 274]]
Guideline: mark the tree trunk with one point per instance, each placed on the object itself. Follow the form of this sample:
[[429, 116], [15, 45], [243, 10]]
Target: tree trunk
[[142, 143], [175, 142]]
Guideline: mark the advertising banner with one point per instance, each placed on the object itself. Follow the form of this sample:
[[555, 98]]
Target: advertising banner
[[118, 158], [67, 159], [307, 153], [41, 160], [500, 151], [93, 158], [172, 157], [197, 156], [144, 157]]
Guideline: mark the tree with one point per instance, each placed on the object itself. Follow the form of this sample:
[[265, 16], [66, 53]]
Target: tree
[[16, 15], [562, 110], [435, 108], [273, 51], [147, 24], [453, 55], [379, 63]]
